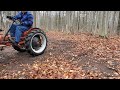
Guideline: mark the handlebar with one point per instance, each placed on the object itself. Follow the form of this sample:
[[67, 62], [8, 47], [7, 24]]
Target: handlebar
[[10, 18], [1, 30], [14, 20]]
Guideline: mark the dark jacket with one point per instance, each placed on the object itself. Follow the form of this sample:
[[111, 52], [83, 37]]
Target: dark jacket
[[26, 19]]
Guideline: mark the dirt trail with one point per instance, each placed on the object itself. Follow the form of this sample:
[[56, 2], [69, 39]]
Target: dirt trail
[[86, 50]]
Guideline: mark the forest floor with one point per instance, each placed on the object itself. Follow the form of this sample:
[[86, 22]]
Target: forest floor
[[78, 56]]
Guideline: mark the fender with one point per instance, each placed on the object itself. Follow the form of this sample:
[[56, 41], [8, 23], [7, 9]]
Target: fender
[[28, 31]]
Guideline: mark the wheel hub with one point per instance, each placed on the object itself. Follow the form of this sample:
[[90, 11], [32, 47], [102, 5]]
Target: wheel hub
[[36, 42]]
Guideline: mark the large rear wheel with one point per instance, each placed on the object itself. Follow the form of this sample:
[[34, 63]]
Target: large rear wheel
[[36, 42]]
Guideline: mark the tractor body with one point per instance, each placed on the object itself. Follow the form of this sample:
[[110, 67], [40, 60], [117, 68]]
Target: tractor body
[[34, 41]]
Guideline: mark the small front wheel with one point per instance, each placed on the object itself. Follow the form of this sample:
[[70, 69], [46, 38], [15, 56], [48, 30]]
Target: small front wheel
[[36, 42]]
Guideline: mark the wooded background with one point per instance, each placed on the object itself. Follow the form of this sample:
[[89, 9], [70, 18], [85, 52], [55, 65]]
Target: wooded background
[[96, 22]]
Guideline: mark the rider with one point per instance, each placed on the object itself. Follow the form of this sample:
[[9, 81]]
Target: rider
[[26, 19]]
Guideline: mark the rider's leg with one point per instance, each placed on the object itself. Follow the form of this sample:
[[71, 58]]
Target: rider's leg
[[19, 31], [12, 30]]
